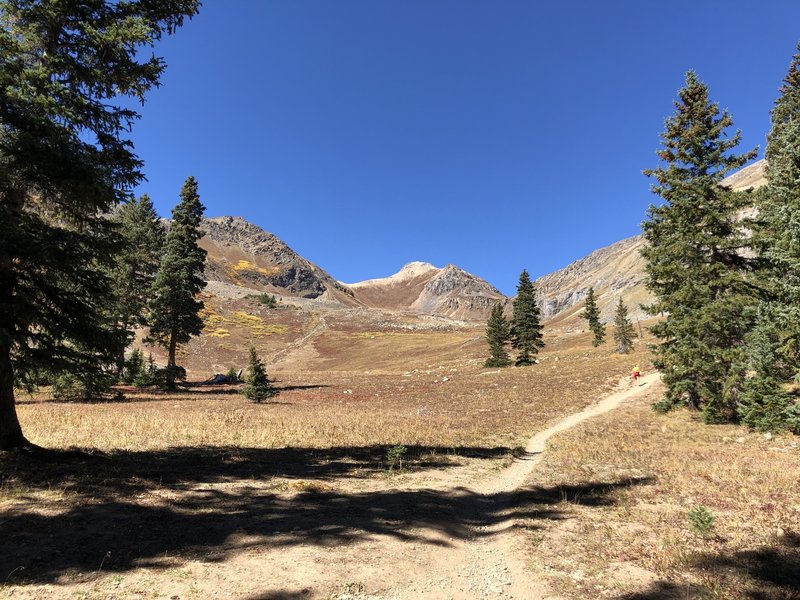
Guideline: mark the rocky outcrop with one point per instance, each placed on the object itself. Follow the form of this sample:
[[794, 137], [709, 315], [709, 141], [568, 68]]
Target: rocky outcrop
[[614, 271], [424, 289], [617, 270], [242, 253]]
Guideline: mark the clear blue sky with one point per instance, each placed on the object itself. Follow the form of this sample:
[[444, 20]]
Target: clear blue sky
[[495, 135]]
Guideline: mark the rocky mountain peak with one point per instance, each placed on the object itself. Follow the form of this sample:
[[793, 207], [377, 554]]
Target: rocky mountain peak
[[242, 253]]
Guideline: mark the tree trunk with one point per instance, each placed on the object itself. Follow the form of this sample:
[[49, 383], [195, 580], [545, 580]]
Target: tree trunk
[[10, 431], [173, 344]]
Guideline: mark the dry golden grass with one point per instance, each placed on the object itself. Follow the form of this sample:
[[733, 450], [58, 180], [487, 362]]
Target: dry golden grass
[[642, 541], [460, 404]]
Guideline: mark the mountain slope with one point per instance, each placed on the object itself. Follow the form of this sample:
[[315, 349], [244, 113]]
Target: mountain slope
[[243, 254], [616, 270], [425, 289]]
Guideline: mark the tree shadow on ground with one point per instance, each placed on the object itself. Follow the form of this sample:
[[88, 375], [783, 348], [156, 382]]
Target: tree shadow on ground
[[768, 573], [135, 509]]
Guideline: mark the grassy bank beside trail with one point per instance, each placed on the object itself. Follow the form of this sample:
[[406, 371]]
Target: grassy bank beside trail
[[640, 541]]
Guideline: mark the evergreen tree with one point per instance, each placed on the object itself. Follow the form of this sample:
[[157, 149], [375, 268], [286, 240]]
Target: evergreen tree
[[498, 334], [526, 330], [623, 329], [175, 306], [765, 404], [774, 347], [780, 214], [592, 314], [695, 259], [138, 261], [68, 73], [259, 387]]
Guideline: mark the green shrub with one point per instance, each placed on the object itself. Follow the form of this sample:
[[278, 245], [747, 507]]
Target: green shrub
[[267, 300], [394, 456], [701, 520], [147, 375], [134, 366]]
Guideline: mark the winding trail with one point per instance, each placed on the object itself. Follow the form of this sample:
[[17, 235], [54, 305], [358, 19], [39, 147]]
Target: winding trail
[[485, 562]]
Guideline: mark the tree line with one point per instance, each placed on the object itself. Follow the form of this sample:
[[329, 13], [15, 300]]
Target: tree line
[[525, 332], [724, 266], [69, 297]]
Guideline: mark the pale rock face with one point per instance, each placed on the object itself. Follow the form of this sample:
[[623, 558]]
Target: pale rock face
[[410, 271], [422, 288]]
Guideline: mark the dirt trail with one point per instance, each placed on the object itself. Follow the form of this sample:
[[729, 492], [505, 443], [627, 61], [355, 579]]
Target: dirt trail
[[487, 562]]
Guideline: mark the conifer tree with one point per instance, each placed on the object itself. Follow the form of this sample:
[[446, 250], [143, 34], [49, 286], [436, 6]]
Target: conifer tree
[[137, 262], [69, 71], [773, 349], [695, 261], [765, 404], [259, 387], [623, 329], [780, 214], [498, 334], [175, 306], [526, 330], [592, 314]]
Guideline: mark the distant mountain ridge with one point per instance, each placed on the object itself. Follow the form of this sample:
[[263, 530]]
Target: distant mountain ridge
[[423, 288], [617, 270], [244, 255], [241, 253]]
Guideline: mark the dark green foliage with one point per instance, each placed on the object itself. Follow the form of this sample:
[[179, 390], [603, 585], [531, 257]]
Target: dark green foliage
[[765, 404], [695, 258], [624, 333], [137, 262], [85, 388], [526, 330], [701, 520], [267, 300], [174, 306], [774, 347], [232, 374], [68, 72], [259, 387], [147, 375], [394, 456], [498, 334], [134, 367], [592, 314]]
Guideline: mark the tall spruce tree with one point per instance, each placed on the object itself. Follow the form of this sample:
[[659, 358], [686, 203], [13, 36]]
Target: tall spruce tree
[[695, 259], [591, 313], [137, 262], [774, 347], [175, 306], [68, 73], [780, 213], [765, 403], [498, 334], [526, 329], [624, 333]]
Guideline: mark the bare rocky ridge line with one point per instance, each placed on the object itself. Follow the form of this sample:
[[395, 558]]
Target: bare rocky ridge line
[[243, 254]]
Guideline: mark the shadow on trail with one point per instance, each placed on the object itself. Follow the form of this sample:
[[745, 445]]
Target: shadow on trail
[[764, 574], [136, 509]]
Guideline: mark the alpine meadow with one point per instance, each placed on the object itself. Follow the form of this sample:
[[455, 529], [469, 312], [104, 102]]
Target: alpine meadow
[[192, 406]]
